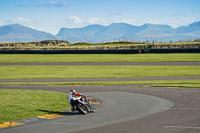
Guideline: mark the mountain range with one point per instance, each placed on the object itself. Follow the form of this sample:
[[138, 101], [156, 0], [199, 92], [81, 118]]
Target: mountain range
[[19, 33], [98, 33]]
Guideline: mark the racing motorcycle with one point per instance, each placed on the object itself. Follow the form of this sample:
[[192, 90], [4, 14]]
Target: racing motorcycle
[[82, 105]]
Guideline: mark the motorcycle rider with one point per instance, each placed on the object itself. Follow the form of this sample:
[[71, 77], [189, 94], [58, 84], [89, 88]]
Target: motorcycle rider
[[72, 96]]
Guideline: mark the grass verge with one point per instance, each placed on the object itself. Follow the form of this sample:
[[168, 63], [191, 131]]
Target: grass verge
[[164, 83], [56, 72], [20, 104], [11, 58]]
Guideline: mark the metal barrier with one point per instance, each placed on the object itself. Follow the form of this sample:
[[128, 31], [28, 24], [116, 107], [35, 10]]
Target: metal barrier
[[119, 51]]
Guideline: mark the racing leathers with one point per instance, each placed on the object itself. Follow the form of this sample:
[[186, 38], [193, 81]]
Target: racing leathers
[[72, 96]]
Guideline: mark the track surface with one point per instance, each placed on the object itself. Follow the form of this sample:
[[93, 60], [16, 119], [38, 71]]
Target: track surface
[[101, 79], [114, 109], [183, 117]]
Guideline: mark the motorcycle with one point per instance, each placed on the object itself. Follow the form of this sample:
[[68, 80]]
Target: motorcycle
[[82, 105]]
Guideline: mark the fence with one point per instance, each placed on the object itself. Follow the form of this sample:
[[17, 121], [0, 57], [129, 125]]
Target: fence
[[108, 51]]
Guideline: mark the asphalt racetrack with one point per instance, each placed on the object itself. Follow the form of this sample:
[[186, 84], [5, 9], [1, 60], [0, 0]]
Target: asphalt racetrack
[[116, 107], [124, 108]]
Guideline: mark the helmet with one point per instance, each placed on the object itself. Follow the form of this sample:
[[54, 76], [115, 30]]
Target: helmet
[[72, 90]]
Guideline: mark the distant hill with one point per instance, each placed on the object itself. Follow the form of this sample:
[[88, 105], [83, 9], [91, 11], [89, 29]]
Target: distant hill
[[19, 33], [98, 33], [123, 31], [87, 33], [194, 27]]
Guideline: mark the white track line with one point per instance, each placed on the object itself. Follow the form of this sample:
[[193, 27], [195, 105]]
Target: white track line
[[183, 127], [181, 108]]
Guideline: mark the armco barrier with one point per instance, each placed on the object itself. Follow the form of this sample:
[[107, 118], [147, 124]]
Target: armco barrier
[[119, 51], [175, 50]]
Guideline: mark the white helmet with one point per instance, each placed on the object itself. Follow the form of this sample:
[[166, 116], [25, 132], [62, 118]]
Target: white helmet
[[72, 90]]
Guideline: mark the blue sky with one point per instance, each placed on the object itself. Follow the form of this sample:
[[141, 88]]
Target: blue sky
[[51, 15]]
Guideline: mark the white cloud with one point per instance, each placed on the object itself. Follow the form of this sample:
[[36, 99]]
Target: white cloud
[[50, 3], [20, 20], [94, 20], [75, 19], [54, 3], [1, 22]]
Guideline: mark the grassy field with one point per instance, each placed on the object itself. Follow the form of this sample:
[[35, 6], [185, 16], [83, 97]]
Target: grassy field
[[20, 104], [56, 72], [168, 83], [11, 58]]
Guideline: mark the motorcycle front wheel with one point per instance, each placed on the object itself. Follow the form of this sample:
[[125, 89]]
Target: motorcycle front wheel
[[82, 108]]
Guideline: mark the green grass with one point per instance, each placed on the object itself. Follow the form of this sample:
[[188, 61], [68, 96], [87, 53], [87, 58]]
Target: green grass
[[168, 83], [56, 72], [11, 58], [20, 104]]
